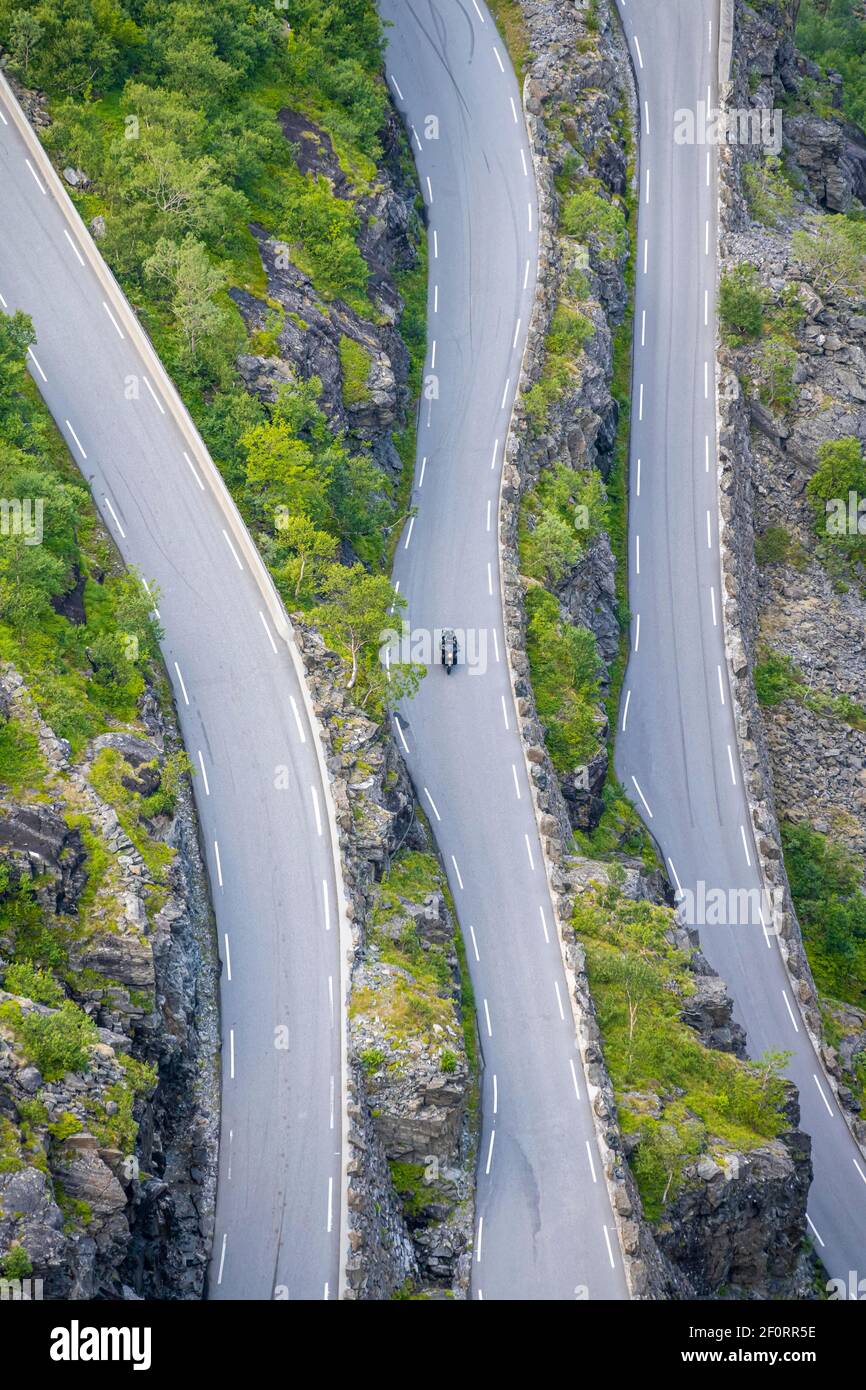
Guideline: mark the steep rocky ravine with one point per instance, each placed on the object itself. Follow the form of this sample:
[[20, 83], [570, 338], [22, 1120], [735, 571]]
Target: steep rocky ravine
[[108, 1157]]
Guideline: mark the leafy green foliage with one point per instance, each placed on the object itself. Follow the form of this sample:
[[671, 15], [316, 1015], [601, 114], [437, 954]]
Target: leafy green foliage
[[55, 1042], [833, 253], [326, 227], [565, 670], [593, 219], [826, 885], [681, 1098], [775, 364], [768, 193], [841, 470], [357, 610], [560, 517], [833, 33], [29, 982], [16, 1263], [777, 546], [355, 363], [777, 678], [741, 302]]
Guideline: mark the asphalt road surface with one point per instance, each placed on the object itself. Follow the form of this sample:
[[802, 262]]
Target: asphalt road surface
[[261, 804], [676, 749], [545, 1229]]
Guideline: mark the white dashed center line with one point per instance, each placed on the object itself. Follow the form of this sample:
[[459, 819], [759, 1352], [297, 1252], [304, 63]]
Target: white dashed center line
[[203, 773], [228, 541], [39, 184], [268, 631], [116, 518], [74, 247]]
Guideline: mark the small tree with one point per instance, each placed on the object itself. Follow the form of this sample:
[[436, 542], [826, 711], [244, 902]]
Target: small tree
[[185, 269], [741, 302], [359, 609], [841, 470], [313, 551], [776, 364], [834, 254]]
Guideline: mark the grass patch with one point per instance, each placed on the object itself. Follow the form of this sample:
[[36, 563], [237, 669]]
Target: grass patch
[[777, 679], [512, 26], [825, 881], [355, 363], [681, 1098]]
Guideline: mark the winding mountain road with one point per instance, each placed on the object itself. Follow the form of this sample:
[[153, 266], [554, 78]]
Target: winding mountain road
[[264, 812], [677, 750], [545, 1227]]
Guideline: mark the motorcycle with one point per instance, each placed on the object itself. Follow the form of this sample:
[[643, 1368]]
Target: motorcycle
[[449, 650]]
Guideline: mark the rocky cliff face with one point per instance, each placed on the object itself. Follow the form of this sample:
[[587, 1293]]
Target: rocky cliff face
[[804, 602], [313, 333], [108, 1152]]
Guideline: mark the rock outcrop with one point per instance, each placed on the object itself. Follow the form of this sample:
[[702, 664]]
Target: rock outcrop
[[312, 332], [109, 1162]]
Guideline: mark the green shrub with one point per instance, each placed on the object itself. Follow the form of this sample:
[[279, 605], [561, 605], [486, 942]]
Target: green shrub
[[326, 228], [595, 220], [371, 1059], [776, 546], [769, 195], [841, 470], [355, 362], [565, 670], [774, 369], [29, 982], [741, 302], [825, 881], [700, 1100], [16, 1263], [57, 1042]]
